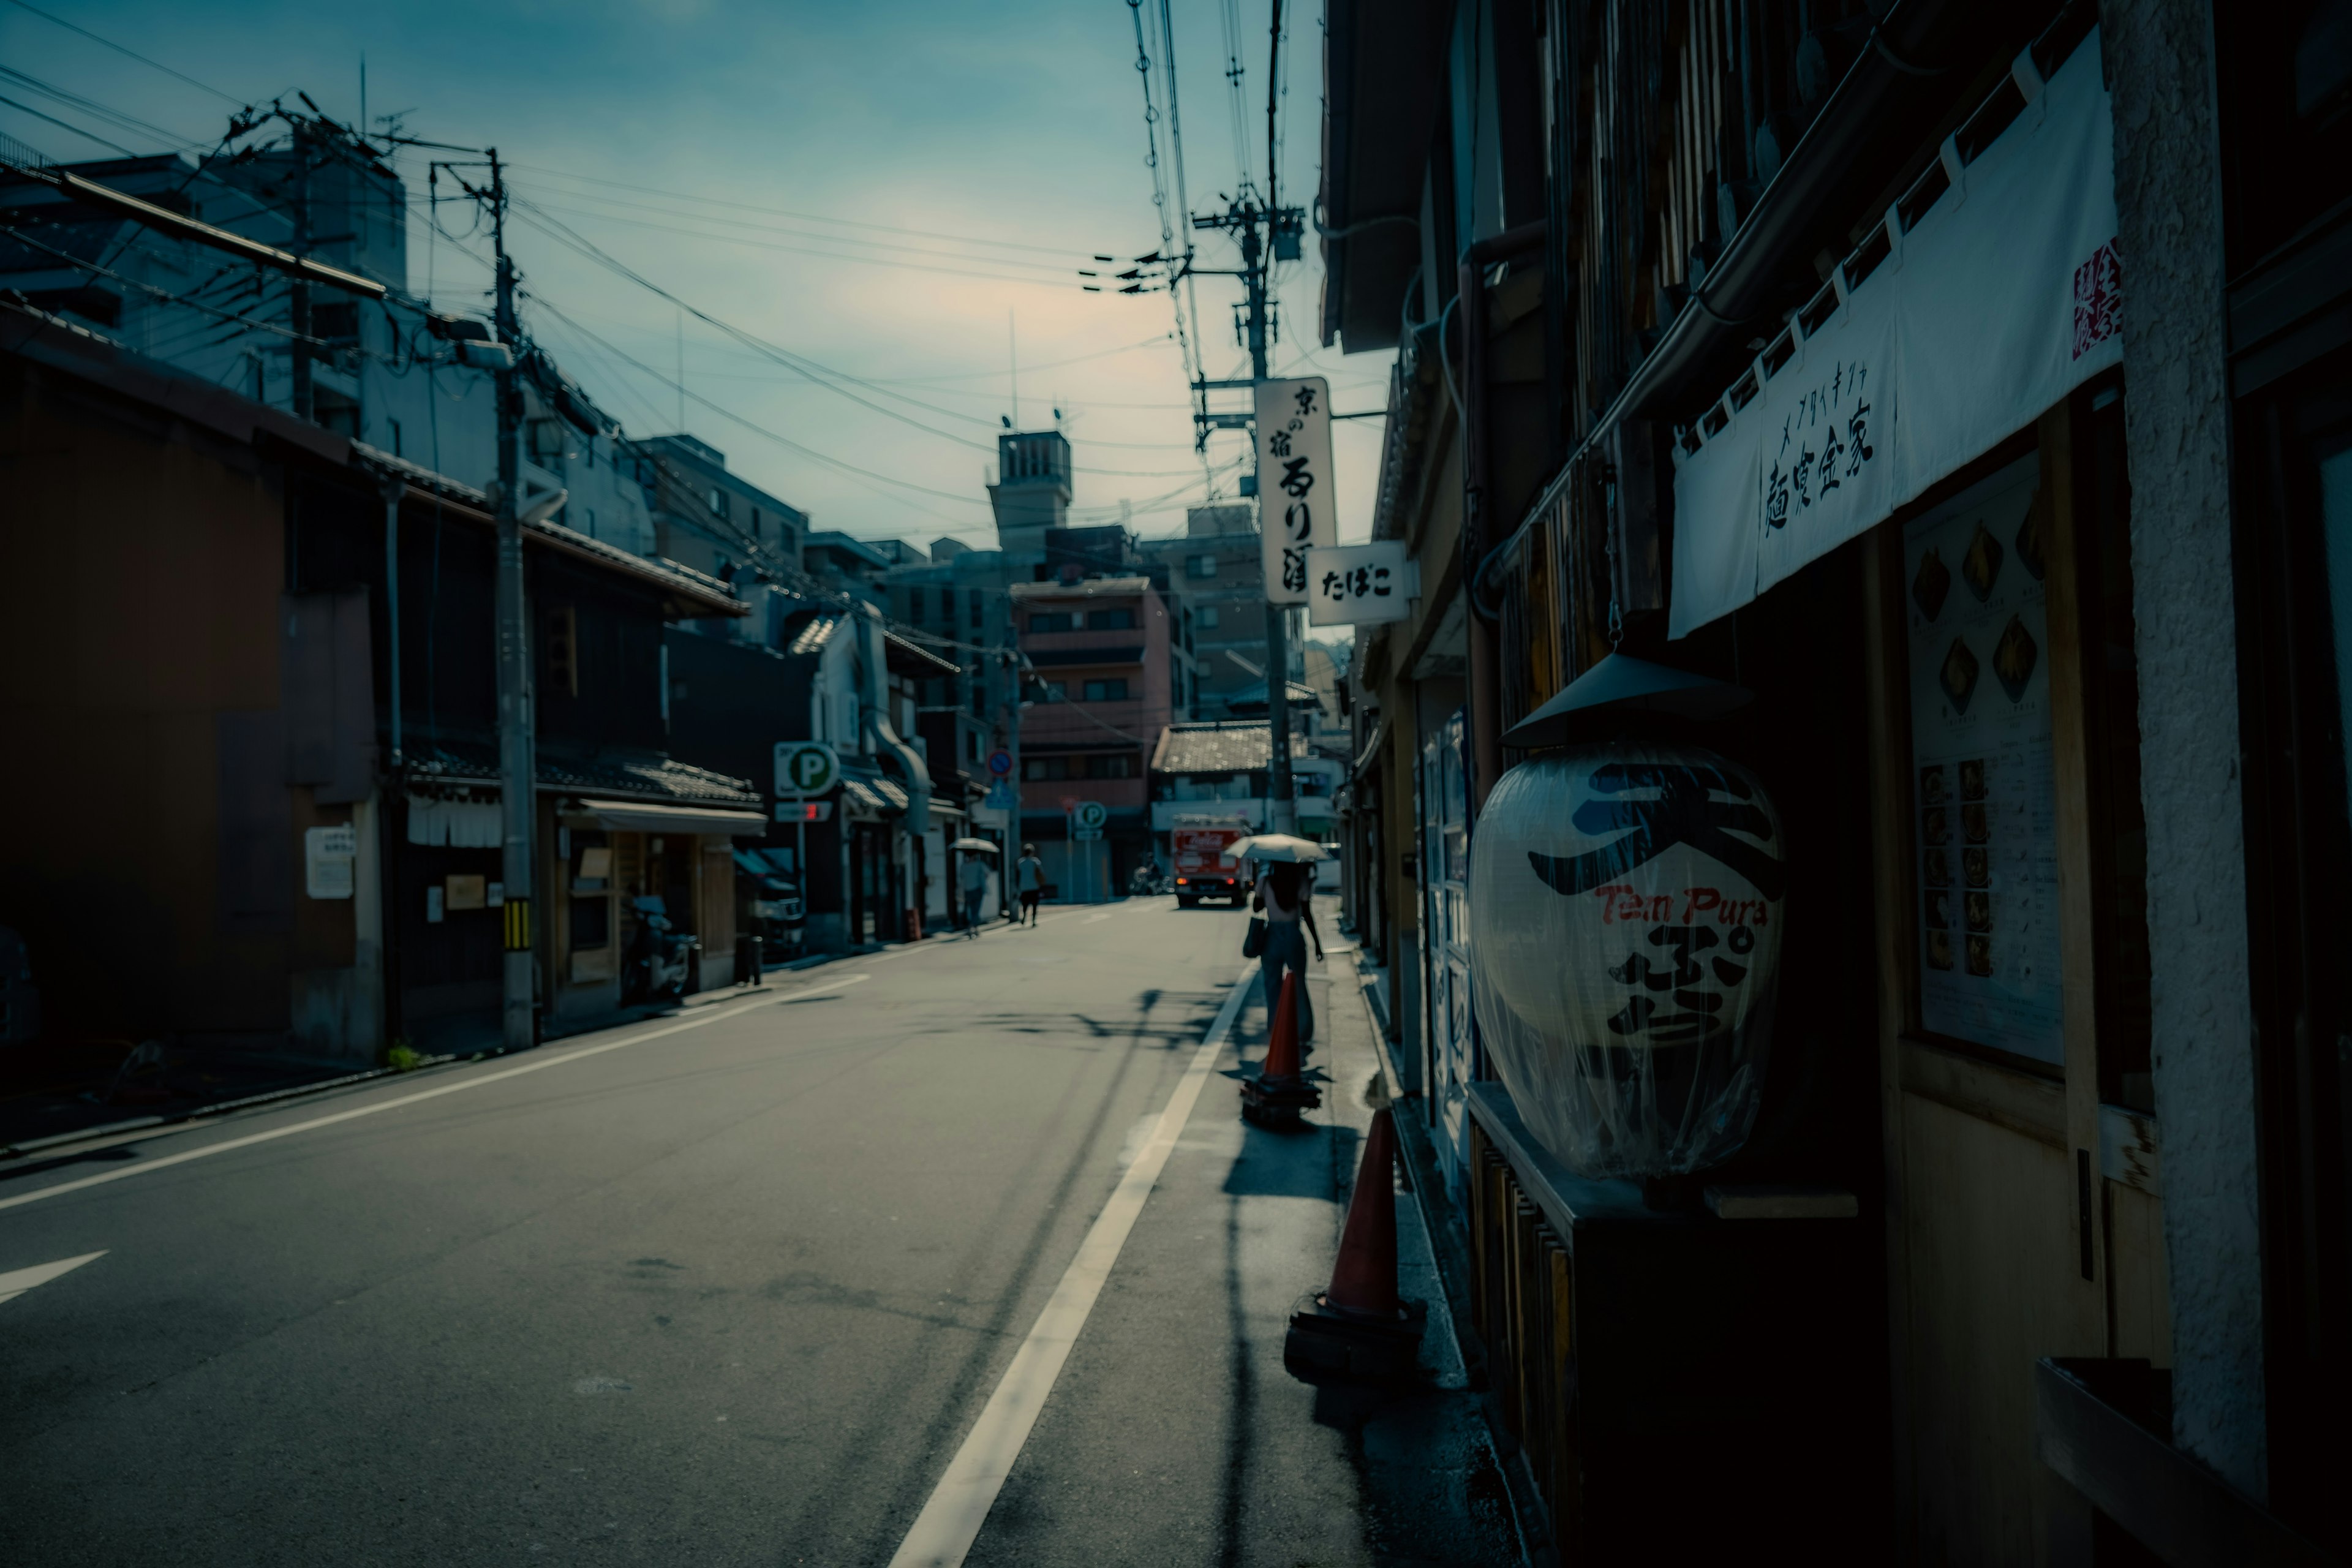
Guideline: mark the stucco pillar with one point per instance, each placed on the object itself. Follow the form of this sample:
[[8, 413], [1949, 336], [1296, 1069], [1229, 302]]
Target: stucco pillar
[[2159, 61]]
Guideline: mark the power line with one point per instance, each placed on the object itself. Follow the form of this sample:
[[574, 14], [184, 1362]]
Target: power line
[[802, 216], [556, 229], [167, 296], [785, 441], [116, 117], [62, 125], [133, 54], [1059, 266], [1160, 205], [1062, 280]]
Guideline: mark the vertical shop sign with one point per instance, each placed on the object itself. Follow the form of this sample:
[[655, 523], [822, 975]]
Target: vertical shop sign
[[1984, 779], [1294, 482]]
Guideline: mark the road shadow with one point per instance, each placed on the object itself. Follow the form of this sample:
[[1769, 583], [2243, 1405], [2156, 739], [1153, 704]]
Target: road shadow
[[1297, 1164]]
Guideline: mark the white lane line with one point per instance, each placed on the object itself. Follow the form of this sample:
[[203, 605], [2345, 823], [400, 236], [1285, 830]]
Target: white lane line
[[1090, 919], [166, 1161], [944, 1532], [17, 1281]]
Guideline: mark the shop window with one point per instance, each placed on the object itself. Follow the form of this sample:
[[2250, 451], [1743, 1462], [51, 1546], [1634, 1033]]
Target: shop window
[[2294, 658], [2285, 77], [592, 924], [2118, 823], [337, 323], [1111, 690], [563, 651]]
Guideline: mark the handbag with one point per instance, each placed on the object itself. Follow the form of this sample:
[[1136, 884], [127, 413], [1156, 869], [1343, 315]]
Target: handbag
[[1254, 939]]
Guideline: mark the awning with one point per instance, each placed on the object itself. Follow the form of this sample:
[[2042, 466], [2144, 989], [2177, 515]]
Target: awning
[[639, 816], [871, 800], [1979, 304]]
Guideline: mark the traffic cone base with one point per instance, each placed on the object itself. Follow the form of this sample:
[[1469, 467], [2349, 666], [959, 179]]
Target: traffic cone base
[[1360, 1328], [1331, 1344], [1280, 1092]]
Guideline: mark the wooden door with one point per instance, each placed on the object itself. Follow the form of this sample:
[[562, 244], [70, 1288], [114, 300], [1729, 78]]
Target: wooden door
[[2013, 1233]]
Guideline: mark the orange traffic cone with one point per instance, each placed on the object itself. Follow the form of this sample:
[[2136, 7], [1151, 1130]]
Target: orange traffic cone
[[1360, 1331], [1280, 1092]]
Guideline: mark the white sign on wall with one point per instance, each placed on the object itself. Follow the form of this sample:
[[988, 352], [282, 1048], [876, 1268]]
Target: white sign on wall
[[1294, 482], [329, 857], [1360, 584]]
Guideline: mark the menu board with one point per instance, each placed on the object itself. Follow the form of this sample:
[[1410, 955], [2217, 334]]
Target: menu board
[[1986, 827]]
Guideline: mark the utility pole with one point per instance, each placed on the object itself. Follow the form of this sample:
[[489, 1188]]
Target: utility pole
[[1260, 230], [297, 293], [518, 772], [1243, 220], [1283, 808]]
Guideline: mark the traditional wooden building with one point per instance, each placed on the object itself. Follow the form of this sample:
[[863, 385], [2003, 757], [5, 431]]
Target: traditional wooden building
[[268, 650], [1788, 346]]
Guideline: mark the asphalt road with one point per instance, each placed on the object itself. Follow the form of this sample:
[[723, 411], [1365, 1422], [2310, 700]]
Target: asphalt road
[[736, 1285]]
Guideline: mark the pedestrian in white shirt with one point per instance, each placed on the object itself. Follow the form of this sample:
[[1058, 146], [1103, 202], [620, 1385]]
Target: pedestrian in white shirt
[[975, 889], [1032, 874]]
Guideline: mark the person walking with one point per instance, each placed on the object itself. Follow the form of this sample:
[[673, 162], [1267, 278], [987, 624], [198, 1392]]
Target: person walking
[[1285, 894], [1031, 872], [975, 889]]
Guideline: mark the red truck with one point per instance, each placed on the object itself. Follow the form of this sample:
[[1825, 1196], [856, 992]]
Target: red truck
[[1202, 869]]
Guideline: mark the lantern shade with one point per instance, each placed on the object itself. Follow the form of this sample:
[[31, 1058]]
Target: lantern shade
[[1621, 683], [1625, 928]]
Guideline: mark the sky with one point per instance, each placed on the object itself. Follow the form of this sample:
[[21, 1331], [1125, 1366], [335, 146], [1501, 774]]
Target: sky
[[761, 162]]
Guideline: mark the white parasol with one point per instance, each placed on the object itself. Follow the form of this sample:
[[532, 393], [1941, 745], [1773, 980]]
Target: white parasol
[[977, 846], [1275, 847]]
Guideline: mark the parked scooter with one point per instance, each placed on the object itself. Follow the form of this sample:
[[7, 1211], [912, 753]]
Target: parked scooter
[[661, 961]]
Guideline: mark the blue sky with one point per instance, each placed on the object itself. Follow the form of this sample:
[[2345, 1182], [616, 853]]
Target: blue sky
[[630, 120]]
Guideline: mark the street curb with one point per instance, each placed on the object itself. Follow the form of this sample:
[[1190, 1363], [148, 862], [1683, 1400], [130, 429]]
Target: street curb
[[1426, 1185], [219, 1107]]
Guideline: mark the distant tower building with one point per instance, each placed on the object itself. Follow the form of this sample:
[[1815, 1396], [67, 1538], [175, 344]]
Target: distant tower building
[[1033, 490]]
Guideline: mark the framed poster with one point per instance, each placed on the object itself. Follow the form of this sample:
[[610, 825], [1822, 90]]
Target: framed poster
[[1985, 829]]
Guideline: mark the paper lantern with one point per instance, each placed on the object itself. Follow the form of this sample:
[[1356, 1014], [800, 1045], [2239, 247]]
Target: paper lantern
[[1625, 921]]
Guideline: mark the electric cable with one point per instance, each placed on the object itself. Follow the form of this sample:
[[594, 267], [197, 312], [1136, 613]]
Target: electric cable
[[556, 229], [757, 244], [118, 48], [801, 216]]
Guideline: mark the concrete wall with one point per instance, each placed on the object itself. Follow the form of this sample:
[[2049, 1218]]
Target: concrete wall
[[2169, 200]]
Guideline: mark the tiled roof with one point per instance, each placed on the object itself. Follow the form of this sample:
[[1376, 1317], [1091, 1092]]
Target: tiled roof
[[698, 589], [1086, 588], [1242, 746], [634, 775]]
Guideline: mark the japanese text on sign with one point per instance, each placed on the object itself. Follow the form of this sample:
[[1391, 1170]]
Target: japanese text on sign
[[1360, 584], [1825, 442], [1294, 467]]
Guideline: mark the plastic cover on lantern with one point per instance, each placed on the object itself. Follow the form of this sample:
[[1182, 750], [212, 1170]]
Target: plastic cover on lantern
[[1624, 946]]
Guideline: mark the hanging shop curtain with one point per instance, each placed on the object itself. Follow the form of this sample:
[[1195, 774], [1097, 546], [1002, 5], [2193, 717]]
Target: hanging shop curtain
[[2001, 298]]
